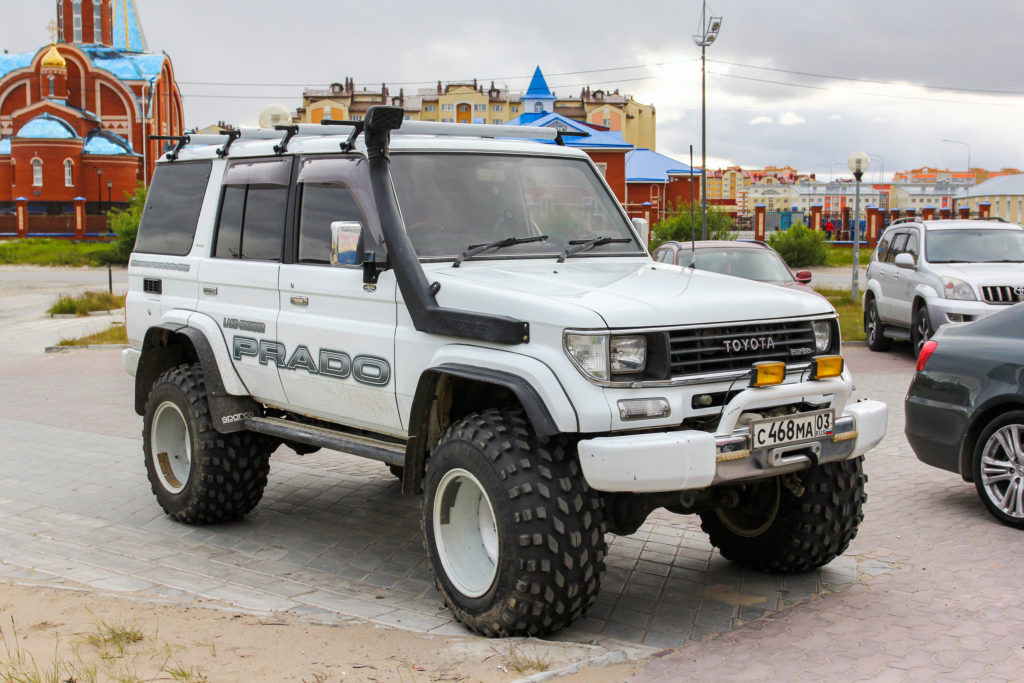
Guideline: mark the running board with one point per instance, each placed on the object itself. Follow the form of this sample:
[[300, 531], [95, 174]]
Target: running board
[[390, 453], [896, 333]]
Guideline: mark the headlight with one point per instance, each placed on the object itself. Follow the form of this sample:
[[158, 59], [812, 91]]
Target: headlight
[[954, 288], [600, 356], [822, 335], [590, 351], [628, 354]]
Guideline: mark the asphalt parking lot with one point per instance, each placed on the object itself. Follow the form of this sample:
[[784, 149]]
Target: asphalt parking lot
[[927, 589]]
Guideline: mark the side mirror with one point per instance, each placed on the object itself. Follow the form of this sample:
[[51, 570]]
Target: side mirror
[[643, 228], [803, 277], [905, 260], [345, 242]]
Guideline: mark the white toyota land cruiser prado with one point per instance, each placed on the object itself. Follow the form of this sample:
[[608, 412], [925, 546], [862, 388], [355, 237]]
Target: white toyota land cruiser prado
[[480, 315]]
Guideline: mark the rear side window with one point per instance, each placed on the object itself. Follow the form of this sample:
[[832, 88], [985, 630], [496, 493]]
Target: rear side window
[[254, 203], [172, 208]]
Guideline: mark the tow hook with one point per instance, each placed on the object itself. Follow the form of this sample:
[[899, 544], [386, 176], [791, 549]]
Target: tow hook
[[792, 482]]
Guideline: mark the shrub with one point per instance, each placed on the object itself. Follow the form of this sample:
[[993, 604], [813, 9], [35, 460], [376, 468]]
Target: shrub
[[800, 246], [677, 225], [125, 224]]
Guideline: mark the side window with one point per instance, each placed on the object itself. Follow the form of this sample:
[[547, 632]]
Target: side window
[[172, 208], [883, 246], [254, 202], [321, 205], [912, 247], [899, 241]]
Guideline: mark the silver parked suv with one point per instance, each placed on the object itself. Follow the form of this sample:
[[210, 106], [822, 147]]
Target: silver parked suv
[[927, 273]]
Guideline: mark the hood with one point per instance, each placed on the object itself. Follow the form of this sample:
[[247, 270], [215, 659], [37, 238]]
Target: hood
[[628, 292], [982, 273]]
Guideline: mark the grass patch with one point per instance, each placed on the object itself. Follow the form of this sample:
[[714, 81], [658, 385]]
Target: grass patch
[[115, 334], [44, 251], [851, 317], [86, 303], [517, 659], [114, 637], [839, 257]]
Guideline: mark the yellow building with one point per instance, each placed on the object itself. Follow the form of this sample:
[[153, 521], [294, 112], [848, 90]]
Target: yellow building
[[471, 102]]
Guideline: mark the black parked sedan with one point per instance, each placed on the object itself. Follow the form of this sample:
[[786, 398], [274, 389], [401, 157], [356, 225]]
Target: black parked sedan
[[965, 408]]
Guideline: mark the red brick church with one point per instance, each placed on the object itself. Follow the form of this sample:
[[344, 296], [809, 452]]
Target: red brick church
[[75, 117]]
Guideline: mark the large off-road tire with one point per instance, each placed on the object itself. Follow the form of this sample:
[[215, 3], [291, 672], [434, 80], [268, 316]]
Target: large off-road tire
[[199, 476], [514, 534], [999, 468], [793, 523], [921, 330], [873, 327]]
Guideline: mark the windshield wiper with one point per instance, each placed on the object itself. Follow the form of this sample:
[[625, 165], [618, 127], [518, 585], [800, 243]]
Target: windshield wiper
[[474, 249], [583, 245]]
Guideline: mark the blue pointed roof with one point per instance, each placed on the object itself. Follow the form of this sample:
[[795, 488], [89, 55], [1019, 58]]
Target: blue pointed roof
[[13, 62], [538, 89], [593, 139], [644, 165], [47, 127], [128, 33]]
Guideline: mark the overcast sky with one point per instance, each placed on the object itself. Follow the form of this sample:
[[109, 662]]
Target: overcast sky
[[889, 78]]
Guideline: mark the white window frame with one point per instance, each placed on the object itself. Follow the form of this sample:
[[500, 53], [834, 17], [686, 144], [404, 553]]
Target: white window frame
[[69, 179], [97, 21], [447, 119], [327, 113], [76, 19], [498, 107], [479, 107], [497, 122], [37, 172], [603, 168], [447, 107], [430, 107]]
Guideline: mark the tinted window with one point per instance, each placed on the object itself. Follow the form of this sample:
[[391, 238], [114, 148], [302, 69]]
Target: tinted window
[[899, 241], [911, 246], [322, 205], [251, 223], [263, 227], [229, 225], [172, 208], [883, 246]]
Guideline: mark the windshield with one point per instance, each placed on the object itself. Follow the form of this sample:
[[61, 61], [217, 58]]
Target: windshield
[[451, 202], [754, 264], [975, 246]]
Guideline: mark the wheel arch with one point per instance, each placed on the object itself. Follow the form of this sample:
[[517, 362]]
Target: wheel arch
[[989, 411], [169, 344], [450, 391]]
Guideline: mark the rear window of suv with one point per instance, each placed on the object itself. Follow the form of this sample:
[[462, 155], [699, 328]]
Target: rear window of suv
[[172, 208]]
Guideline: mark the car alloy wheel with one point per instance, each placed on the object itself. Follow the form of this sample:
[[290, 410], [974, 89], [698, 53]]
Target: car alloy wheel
[[1001, 473]]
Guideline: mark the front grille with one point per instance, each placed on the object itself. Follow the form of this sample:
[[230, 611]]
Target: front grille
[[737, 347], [1003, 294]]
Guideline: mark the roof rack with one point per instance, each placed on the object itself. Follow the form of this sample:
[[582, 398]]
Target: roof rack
[[999, 219], [568, 134], [906, 219]]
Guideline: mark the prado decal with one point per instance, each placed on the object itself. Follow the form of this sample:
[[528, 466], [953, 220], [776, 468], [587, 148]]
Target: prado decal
[[327, 362]]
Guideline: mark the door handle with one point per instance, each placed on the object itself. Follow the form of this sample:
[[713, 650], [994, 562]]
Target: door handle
[[209, 291], [300, 300]]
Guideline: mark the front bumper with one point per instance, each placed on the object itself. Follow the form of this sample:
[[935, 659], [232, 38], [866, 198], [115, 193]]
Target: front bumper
[[942, 311], [693, 459]]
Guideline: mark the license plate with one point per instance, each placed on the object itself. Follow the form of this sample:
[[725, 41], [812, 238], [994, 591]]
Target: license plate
[[790, 429]]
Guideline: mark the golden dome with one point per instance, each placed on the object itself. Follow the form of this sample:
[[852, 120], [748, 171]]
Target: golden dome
[[53, 59]]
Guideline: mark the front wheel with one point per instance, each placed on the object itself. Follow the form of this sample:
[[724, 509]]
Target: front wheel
[[793, 523], [999, 468], [513, 533], [921, 331], [873, 328], [198, 475]]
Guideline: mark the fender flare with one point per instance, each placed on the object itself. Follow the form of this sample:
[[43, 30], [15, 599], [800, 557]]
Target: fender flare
[[416, 449], [228, 410]]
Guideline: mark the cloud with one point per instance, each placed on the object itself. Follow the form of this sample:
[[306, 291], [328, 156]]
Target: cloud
[[758, 120], [791, 119]]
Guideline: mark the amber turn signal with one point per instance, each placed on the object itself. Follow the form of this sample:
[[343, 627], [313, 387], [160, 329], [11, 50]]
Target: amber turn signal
[[823, 367], [767, 373]]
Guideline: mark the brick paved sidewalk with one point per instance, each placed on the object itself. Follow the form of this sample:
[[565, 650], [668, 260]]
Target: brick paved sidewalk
[[333, 539]]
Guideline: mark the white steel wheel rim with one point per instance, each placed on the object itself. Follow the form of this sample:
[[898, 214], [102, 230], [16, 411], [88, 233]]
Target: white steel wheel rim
[[465, 533], [1002, 470], [171, 448]]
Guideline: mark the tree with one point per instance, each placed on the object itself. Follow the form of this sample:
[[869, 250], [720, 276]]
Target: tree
[[124, 223], [800, 246], [677, 225]]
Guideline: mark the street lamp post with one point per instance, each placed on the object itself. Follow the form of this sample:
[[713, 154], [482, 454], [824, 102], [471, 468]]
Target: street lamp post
[[110, 186], [709, 28], [99, 190], [857, 163]]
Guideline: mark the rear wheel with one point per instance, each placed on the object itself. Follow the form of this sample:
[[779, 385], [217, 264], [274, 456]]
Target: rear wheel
[[921, 331], [793, 523], [999, 468], [873, 328], [514, 535], [198, 475]]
